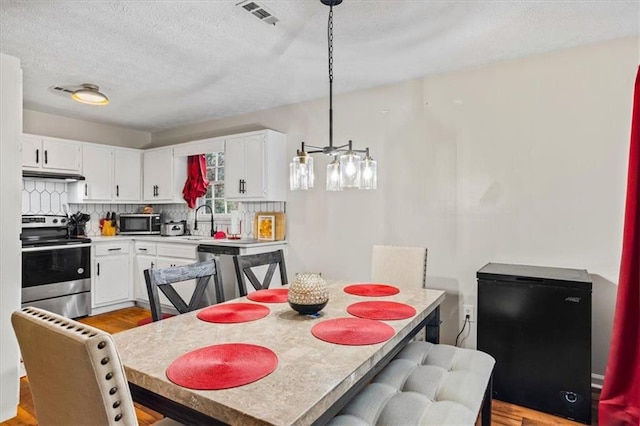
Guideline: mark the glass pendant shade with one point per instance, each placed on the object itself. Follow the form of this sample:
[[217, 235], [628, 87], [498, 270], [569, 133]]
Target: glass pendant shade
[[350, 170], [368, 174], [333, 175], [301, 172]]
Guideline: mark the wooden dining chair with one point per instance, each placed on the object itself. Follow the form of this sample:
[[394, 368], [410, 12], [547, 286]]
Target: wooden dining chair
[[74, 371], [246, 263], [405, 267], [165, 279]]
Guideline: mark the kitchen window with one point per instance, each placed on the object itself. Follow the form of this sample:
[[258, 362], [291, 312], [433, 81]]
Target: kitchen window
[[214, 197]]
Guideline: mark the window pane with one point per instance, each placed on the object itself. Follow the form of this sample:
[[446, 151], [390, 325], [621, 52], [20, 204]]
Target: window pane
[[221, 159], [221, 173], [218, 190], [219, 209], [211, 160], [211, 174]]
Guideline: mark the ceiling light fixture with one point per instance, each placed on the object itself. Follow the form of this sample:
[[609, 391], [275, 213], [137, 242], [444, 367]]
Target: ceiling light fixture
[[90, 94], [348, 169]]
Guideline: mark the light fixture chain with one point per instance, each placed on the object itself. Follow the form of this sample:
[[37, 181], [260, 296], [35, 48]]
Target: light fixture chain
[[330, 37]]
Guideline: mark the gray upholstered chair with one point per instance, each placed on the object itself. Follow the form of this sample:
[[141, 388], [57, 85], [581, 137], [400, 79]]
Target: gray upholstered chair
[[402, 266], [74, 371], [405, 267], [246, 263], [164, 279]]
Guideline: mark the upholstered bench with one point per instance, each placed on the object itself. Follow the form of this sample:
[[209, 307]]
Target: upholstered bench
[[425, 384]]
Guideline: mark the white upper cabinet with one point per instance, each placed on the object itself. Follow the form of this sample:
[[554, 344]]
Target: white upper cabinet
[[50, 154], [127, 175], [97, 168], [164, 176], [111, 173], [256, 166]]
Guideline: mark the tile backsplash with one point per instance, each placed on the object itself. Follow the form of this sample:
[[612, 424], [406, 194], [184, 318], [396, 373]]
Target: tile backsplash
[[43, 197], [50, 197]]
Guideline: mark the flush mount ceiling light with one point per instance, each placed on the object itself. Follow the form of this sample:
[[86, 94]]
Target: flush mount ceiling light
[[348, 169], [89, 94]]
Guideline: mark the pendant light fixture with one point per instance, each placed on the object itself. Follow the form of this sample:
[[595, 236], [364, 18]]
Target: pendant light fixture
[[90, 94], [348, 169]]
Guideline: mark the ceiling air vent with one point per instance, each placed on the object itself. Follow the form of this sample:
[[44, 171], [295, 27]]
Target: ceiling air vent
[[260, 12], [62, 89]]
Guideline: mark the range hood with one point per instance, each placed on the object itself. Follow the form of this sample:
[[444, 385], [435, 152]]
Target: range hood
[[68, 177]]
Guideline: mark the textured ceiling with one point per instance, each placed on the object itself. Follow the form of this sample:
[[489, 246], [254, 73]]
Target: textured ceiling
[[165, 64]]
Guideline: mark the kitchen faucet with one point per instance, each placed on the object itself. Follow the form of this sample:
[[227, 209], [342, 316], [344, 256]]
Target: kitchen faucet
[[195, 222]]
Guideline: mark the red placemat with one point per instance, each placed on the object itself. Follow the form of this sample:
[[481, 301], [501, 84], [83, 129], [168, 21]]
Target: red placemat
[[372, 290], [276, 295], [222, 366], [381, 310], [233, 312], [352, 331]]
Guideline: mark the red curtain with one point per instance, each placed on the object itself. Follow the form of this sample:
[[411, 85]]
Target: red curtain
[[197, 182], [620, 398]]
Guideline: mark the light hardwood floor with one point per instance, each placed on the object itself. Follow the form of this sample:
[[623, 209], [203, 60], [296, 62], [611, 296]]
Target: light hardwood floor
[[502, 413]]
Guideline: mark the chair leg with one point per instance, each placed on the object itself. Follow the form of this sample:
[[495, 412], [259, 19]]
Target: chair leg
[[486, 403]]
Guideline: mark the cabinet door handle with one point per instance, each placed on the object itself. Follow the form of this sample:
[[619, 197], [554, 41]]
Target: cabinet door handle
[[86, 190], [46, 157], [37, 156], [98, 267], [117, 190], [240, 186], [153, 265], [115, 249], [142, 249]]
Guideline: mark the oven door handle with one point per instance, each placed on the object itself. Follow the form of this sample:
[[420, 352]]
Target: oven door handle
[[62, 246]]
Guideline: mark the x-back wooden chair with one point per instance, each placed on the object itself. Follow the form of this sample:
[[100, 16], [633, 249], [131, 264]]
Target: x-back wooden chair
[[244, 265], [165, 278]]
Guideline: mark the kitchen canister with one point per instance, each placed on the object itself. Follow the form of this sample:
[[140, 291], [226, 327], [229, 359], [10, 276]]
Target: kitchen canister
[[308, 293]]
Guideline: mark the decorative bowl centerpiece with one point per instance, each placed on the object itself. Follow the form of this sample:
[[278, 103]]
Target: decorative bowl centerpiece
[[308, 293]]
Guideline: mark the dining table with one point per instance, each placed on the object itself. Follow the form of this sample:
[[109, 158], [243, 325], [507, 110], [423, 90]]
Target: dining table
[[313, 378]]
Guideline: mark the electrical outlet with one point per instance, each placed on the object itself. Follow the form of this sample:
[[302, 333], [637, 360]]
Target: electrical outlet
[[468, 310]]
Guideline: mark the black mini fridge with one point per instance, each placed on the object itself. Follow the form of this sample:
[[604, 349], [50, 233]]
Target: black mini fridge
[[536, 322]]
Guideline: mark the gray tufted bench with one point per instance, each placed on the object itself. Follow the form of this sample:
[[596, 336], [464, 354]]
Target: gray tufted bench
[[425, 384]]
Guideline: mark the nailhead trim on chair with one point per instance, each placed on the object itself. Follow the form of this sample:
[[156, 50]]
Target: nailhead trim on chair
[[88, 334]]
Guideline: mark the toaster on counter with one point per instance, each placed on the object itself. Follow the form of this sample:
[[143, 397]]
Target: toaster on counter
[[173, 229]]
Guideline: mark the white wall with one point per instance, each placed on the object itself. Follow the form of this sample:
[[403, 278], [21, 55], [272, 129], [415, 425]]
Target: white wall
[[10, 272], [40, 123], [521, 161]]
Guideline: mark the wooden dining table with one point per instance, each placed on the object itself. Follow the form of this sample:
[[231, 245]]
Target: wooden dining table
[[313, 379]]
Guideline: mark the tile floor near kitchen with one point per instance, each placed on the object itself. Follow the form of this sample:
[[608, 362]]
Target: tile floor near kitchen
[[113, 322]]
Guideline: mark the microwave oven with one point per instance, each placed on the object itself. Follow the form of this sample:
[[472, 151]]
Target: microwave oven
[[139, 223]]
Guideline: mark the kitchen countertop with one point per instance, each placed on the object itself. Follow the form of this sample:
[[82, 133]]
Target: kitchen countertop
[[189, 239]]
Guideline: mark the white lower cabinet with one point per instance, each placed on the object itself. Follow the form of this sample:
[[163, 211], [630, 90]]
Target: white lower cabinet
[[111, 281], [160, 256]]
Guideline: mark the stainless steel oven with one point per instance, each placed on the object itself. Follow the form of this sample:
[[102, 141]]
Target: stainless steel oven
[[56, 268]]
